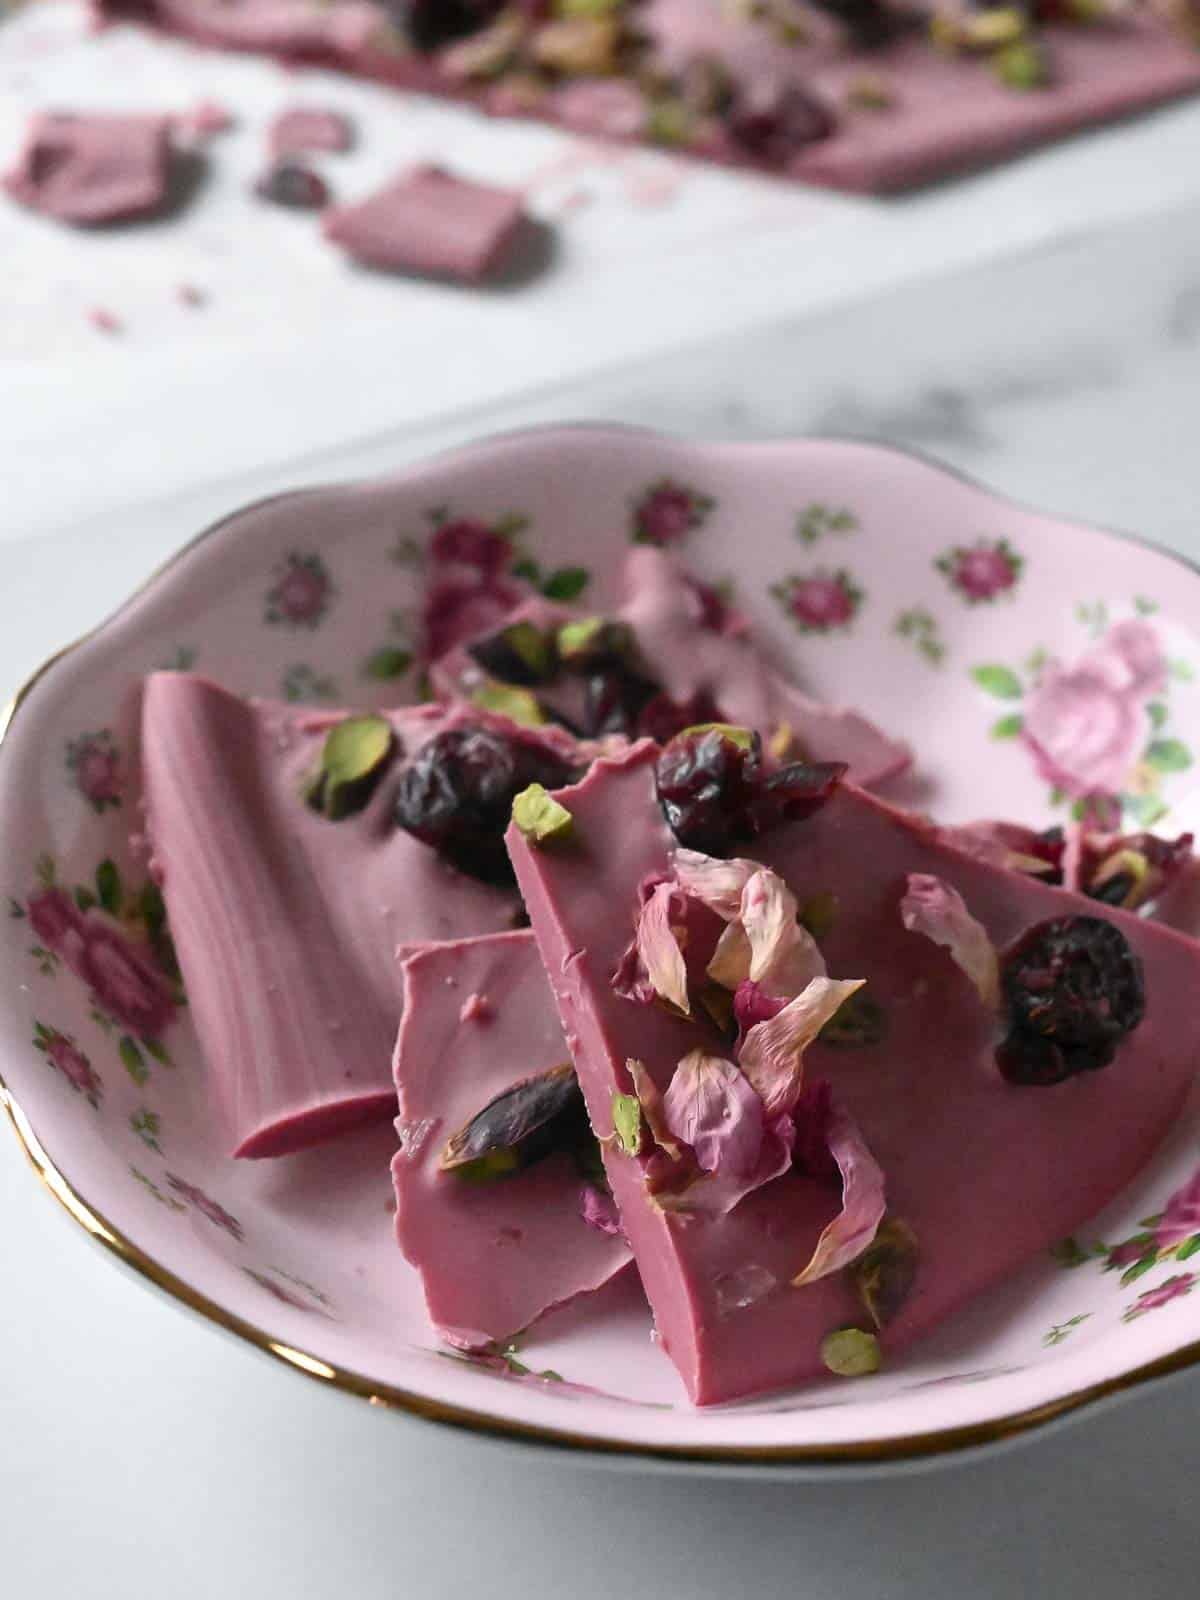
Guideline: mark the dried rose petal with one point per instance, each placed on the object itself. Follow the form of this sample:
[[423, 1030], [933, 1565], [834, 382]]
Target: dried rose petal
[[772, 1053], [710, 1106], [934, 909], [863, 1202]]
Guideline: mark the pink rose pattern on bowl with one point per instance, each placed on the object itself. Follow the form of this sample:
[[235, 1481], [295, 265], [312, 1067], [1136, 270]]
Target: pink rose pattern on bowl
[[1091, 680]]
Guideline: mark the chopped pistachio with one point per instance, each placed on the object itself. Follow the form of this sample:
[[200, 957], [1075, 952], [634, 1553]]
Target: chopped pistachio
[[669, 121], [718, 1004], [353, 758], [578, 46], [594, 642], [885, 1272], [518, 705], [782, 741], [533, 1119], [819, 913], [850, 1352], [586, 8], [520, 653], [742, 737], [870, 91], [989, 30], [858, 1022], [627, 1122], [1121, 879], [540, 817], [1022, 66]]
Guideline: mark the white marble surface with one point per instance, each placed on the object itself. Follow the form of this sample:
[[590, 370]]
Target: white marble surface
[[141, 1454]]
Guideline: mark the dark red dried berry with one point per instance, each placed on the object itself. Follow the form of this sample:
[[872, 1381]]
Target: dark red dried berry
[[430, 24], [1074, 990], [290, 184], [662, 718], [707, 786], [614, 699], [456, 795], [796, 791], [772, 124]]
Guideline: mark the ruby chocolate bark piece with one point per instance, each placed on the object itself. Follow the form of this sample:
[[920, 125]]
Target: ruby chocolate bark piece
[[429, 221], [674, 654], [291, 878], [982, 1172], [854, 94], [93, 169], [500, 1197]]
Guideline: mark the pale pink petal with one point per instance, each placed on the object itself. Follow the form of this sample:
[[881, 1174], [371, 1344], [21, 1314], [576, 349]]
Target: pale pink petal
[[772, 1053], [1132, 658], [933, 908], [710, 1106], [784, 958], [863, 1202], [599, 1210], [658, 948], [651, 1103], [718, 884], [730, 964], [714, 1194]]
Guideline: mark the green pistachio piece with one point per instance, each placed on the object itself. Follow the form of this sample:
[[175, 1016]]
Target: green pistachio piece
[[586, 8], [627, 1122], [518, 705], [540, 817], [994, 28], [669, 121], [742, 737], [534, 1119], [850, 1352], [520, 654], [870, 91], [354, 757], [594, 642], [1022, 66], [885, 1272], [857, 1023], [819, 913]]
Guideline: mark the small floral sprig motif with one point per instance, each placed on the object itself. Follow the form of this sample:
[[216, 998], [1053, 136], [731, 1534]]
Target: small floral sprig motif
[[821, 602], [1063, 1330], [393, 659], [65, 1056], [817, 520], [313, 1301], [304, 685], [503, 1361], [302, 591], [981, 572], [206, 1206], [152, 1189], [666, 511], [147, 1125], [94, 764], [921, 627], [1151, 1299]]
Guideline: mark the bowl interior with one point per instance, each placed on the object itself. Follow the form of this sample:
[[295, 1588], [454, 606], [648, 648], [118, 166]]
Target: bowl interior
[[881, 582]]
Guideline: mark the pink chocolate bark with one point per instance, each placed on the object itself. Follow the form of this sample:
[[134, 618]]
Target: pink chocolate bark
[[691, 649], [633, 76], [987, 1173], [429, 221], [301, 129], [93, 169], [287, 923], [479, 1018]]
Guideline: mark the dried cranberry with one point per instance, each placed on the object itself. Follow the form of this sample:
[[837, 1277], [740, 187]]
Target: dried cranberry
[[290, 184], [457, 793], [707, 785], [662, 718], [796, 791], [614, 699], [868, 22], [430, 24], [771, 124], [1074, 990]]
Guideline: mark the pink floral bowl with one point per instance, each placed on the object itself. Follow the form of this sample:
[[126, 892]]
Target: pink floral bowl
[[1030, 661]]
